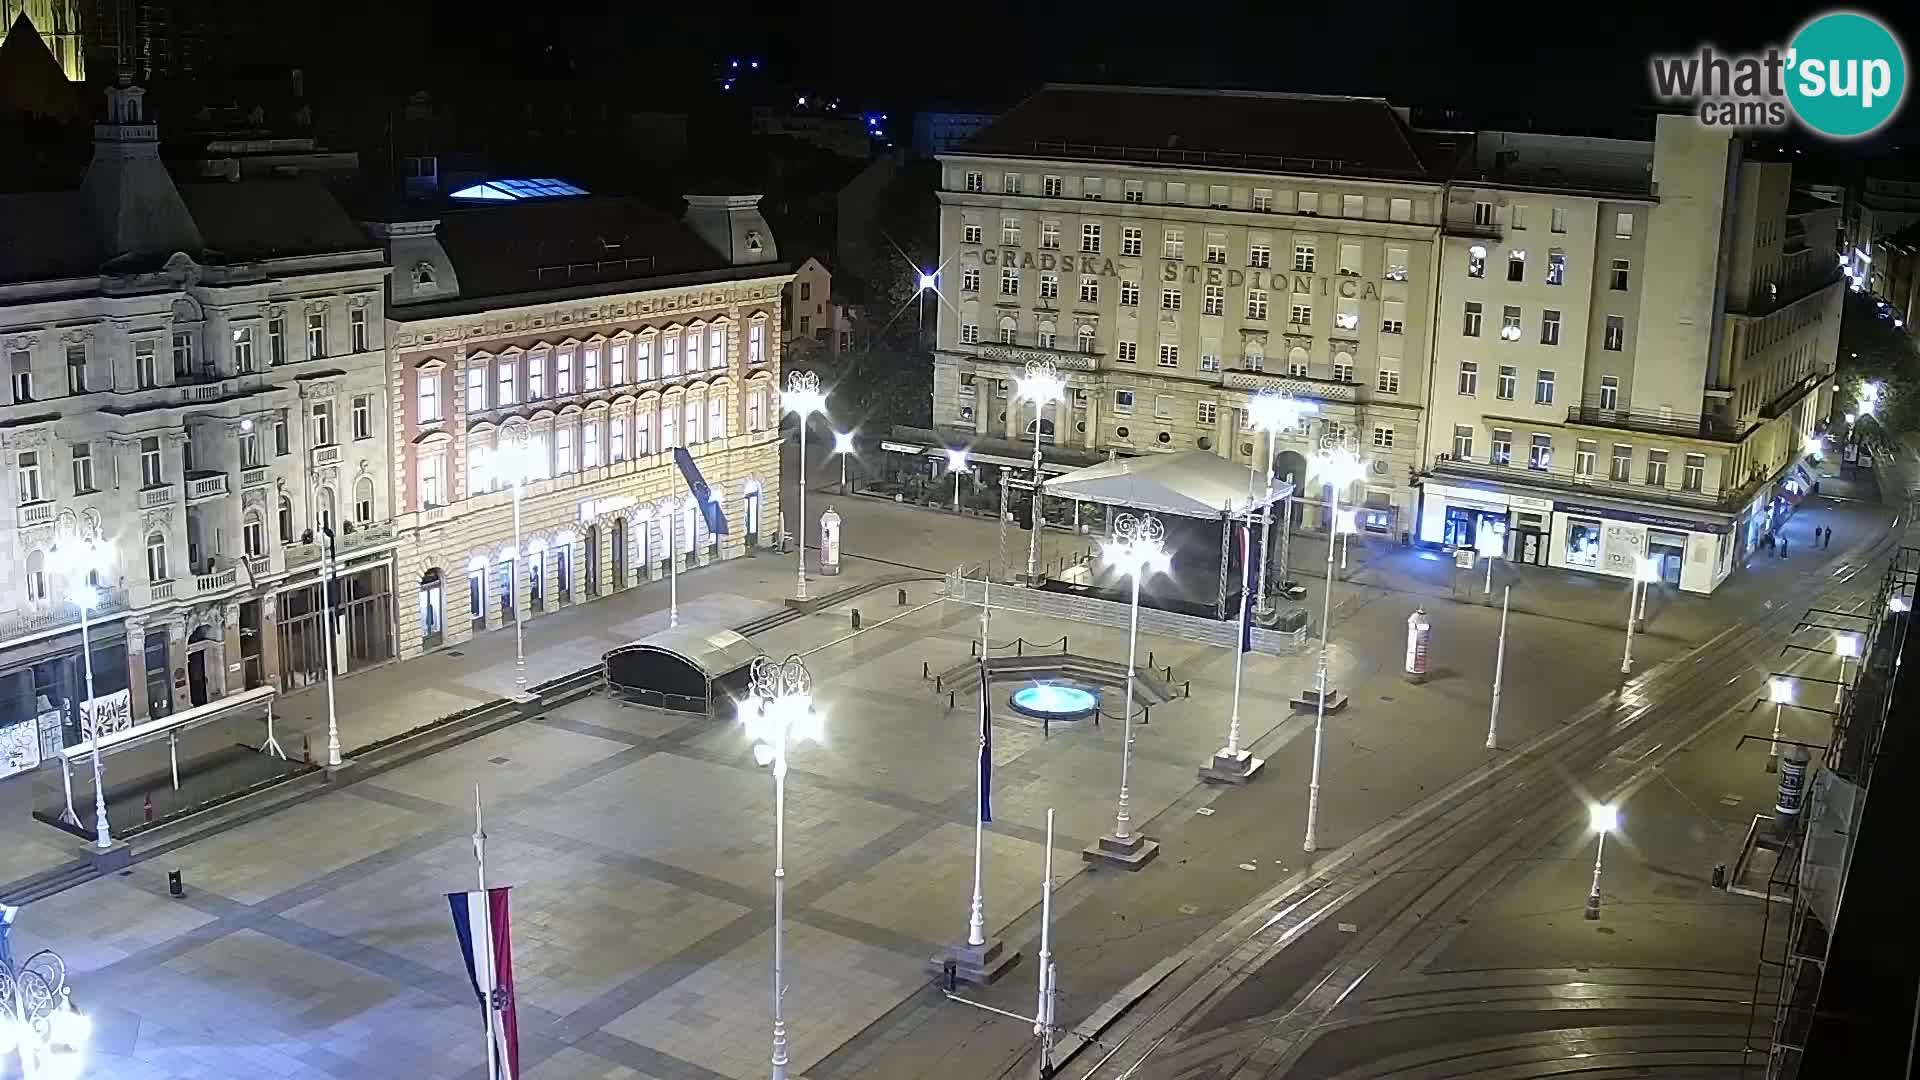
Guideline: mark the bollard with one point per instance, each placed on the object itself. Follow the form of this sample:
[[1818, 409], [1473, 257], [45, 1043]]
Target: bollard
[[174, 887], [926, 670], [949, 699], [306, 749], [146, 807], [1719, 875], [855, 615], [1146, 715], [950, 974], [1186, 689], [903, 598]]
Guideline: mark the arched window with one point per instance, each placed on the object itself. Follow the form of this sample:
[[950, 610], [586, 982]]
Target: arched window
[[1256, 355], [156, 556], [1297, 361], [286, 520], [253, 533], [1009, 330], [363, 500], [423, 279], [326, 509], [37, 576]]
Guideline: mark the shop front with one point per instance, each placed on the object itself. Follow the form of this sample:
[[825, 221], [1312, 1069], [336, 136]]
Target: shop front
[[1692, 555], [1481, 519]]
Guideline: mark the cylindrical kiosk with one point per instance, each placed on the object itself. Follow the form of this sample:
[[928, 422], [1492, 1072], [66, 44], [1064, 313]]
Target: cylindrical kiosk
[[1419, 644], [829, 543], [1793, 785]]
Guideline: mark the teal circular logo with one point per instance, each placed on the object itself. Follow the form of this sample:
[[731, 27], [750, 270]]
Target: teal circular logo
[[1846, 74]]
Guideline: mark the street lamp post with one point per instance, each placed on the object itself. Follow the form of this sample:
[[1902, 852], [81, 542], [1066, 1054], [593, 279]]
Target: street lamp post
[[1231, 763], [1499, 671], [843, 446], [1604, 818], [1644, 572], [1846, 647], [1041, 385], [1340, 466], [1780, 692], [1138, 548], [511, 460], [79, 561], [956, 464], [1273, 411], [804, 398], [780, 711], [38, 1020]]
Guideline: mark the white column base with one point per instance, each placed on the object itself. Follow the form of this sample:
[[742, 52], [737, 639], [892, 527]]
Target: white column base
[[1228, 768]]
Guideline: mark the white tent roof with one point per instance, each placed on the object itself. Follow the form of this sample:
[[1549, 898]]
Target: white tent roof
[[1191, 483]]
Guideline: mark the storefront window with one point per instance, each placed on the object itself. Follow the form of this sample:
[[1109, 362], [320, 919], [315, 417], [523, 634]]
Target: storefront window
[[1583, 543]]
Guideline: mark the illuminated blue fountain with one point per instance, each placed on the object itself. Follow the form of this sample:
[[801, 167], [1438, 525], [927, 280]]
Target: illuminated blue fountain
[[1055, 701]]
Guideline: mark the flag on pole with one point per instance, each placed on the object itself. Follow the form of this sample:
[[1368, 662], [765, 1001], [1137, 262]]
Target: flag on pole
[[480, 922], [1246, 600], [986, 708]]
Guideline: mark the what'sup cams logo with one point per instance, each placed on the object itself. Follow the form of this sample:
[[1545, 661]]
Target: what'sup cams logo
[[1844, 75]]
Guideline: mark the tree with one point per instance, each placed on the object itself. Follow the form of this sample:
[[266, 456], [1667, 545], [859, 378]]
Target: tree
[[1875, 352]]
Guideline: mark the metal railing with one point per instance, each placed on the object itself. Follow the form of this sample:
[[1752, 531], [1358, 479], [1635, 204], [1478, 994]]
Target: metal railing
[[1108, 613], [1564, 479], [1689, 425]]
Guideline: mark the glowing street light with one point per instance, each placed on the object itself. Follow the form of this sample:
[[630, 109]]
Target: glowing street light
[[804, 398], [1846, 647], [928, 281], [956, 464], [1646, 571], [1273, 411], [1340, 466], [1898, 604], [1042, 385], [82, 560], [843, 446], [1604, 818], [1138, 548], [512, 461], [1780, 692], [1815, 445], [38, 1020], [779, 713]]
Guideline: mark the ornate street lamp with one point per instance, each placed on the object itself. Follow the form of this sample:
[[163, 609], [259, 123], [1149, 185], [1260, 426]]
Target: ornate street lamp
[[512, 461], [1138, 548], [1041, 385], [803, 398], [37, 1018], [1339, 465], [80, 559], [1273, 411]]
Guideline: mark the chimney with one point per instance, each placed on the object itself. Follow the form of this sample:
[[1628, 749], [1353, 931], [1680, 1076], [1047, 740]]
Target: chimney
[[733, 226]]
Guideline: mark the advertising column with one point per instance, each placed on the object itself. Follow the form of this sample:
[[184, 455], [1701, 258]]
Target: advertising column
[[829, 543]]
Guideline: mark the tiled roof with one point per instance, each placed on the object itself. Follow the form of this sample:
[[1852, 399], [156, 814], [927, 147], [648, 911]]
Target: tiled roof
[[265, 219], [1283, 133]]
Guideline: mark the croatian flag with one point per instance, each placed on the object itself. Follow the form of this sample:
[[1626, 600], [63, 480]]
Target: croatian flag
[[480, 921], [986, 747]]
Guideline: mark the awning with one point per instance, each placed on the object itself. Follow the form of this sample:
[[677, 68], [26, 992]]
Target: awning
[[1192, 483]]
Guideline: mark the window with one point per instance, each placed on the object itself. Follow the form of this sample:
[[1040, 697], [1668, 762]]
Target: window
[[76, 369], [1052, 187], [253, 534], [1393, 317], [1090, 237], [433, 490], [316, 335], [970, 234], [1259, 256], [83, 468], [589, 445], [363, 500], [477, 386], [1300, 314], [1483, 213], [427, 401], [1609, 392], [1169, 355], [1087, 341], [506, 387], [1462, 442], [1009, 281], [1009, 335], [806, 287], [1215, 302], [1517, 216], [1050, 236], [357, 330], [1694, 476], [1616, 334], [1170, 299], [1399, 209], [1309, 202], [152, 475], [1558, 219], [1622, 469], [286, 520], [1387, 381], [1350, 260], [617, 363], [276, 340], [1210, 354], [976, 181], [1396, 264], [1176, 193], [362, 416], [1543, 387], [1262, 201], [1136, 192], [281, 444], [1510, 323], [1383, 436], [182, 354], [1217, 252], [563, 368], [1470, 326], [1617, 281], [1217, 196], [242, 351], [1656, 468], [1469, 378], [1009, 232], [1126, 352], [756, 343], [1549, 327], [1049, 286], [1131, 240], [1476, 261], [1163, 406], [323, 423], [1010, 183], [969, 333], [1516, 265], [970, 279], [1342, 367], [156, 556], [1044, 336], [1089, 289], [643, 360], [146, 370], [1254, 358], [1129, 294], [1623, 226], [1297, 363], [1206, 413], [1173, 245], [249, 450], [717, 346], [590, 362], [716, 417], [22, 363], [1303, 258], [1556, 267], [1502, 452], [1508, 377], [1584, 453], [537, 373], [1540, 453], [1256, 303], [29, 474], [1346, 315], [617, 434], [1123, 401]]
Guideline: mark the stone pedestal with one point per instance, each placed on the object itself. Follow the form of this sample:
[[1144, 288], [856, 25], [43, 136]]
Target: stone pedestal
[[975, 965], [1132, 853], [1231, 768], [1308, 700]]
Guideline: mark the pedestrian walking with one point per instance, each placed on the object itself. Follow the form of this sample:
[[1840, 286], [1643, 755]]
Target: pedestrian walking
[[1783, 545], [1829, 540]]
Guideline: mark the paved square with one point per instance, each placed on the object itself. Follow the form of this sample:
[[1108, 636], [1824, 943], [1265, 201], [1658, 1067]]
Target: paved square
[[916, 892], [294, 846], [535, 755]]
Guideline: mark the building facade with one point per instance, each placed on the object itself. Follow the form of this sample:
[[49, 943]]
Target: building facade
[[1635, 342], [1174, 253], [194, 378], [813, 324], [59, 24], [587, 369]]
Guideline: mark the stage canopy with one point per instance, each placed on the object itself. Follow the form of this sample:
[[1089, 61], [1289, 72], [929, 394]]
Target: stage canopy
[[684, 669], [1191, 483]]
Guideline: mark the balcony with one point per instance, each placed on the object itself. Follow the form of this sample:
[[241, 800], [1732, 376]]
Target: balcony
[[217, 581], [1299, 386], [1064, 359], [40, 513], [1566, 481], [54, 616], [260, 476], [260, 565], [202, 486], [1792, 396], [161, 590], [152, 497], [1682, 425], [1483, 230], [326, 455]]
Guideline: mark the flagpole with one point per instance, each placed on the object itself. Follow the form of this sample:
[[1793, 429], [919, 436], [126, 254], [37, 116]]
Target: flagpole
[[486, 931], [1043, 1009], [977, 915]]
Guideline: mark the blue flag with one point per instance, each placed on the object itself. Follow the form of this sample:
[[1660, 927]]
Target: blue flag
[[986, 746], [1246, 600], [709, 506]]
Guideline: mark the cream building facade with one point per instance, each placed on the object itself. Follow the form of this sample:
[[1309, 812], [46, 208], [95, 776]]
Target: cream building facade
[[600, 367], [1635, 342], [1174, 253]]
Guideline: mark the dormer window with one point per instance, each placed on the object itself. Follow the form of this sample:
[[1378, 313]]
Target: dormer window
[[753, 240], [423, 279]]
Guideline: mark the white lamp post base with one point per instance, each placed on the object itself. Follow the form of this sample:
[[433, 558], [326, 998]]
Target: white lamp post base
[[1309, 699], [1228, 768], [975, 965], [1132, 853]]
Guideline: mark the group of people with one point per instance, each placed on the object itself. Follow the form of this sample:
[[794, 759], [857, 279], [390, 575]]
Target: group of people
[[1822, 539]]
